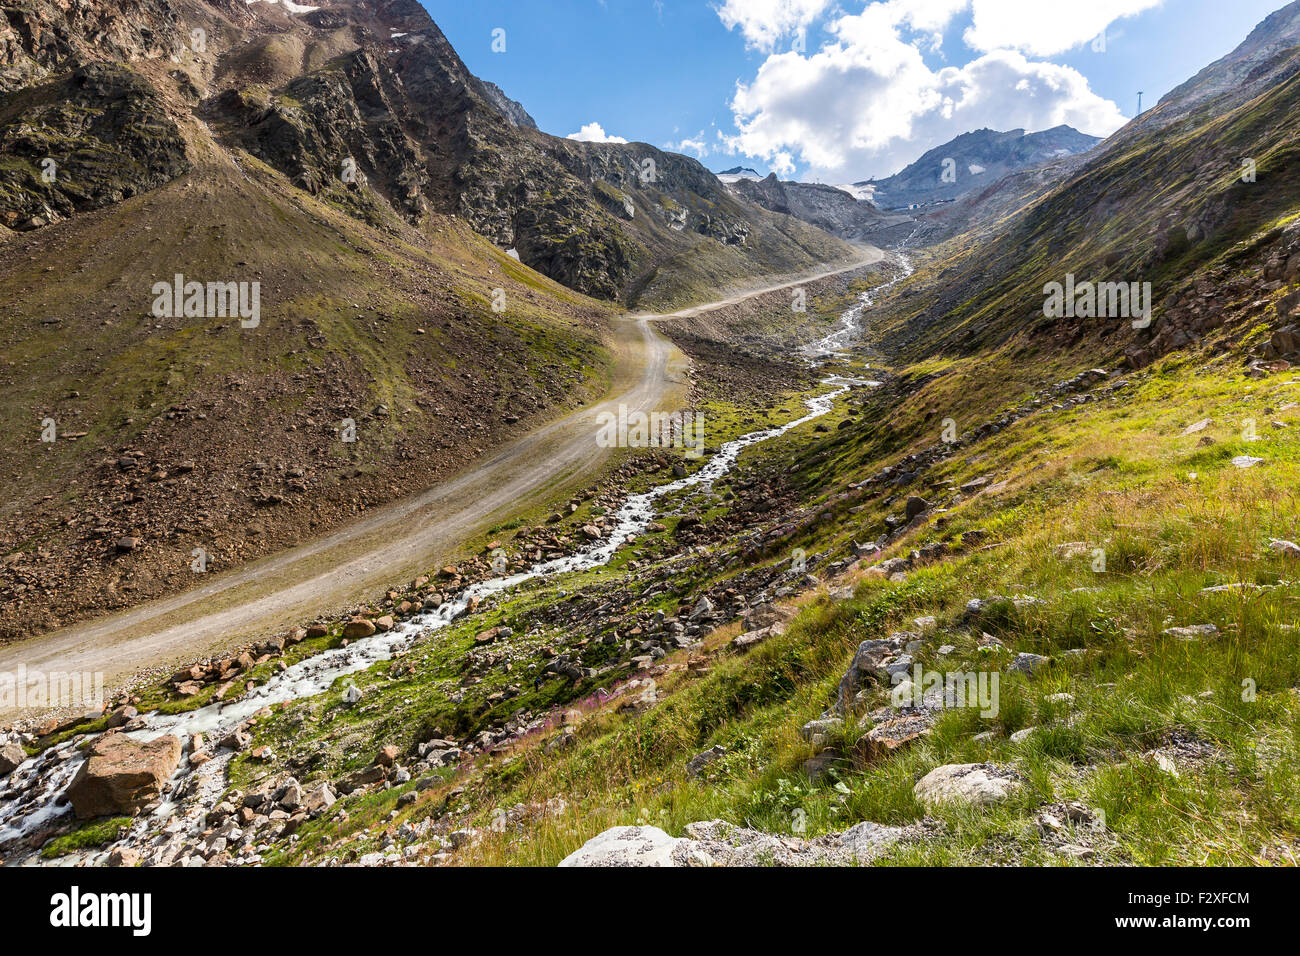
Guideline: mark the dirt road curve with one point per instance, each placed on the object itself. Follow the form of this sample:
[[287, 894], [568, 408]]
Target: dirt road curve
[[392, 544]]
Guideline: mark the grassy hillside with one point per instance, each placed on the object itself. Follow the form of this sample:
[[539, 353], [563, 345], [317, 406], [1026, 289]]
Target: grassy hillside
[[1182, 749]]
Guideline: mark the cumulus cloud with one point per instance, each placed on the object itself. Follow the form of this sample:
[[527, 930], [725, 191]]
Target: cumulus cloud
[[764, 23], [595, 133], [698, 147], [867, 103], [1041, 28]]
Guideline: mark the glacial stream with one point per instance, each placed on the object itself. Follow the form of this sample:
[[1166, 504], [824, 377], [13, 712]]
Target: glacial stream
[[29, 798]]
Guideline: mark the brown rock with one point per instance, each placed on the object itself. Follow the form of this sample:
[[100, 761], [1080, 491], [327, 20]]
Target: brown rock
[[121, 775], [890, 735], [1286, 341], [123, 856], [361, 778], [123, 715], [11, 755], [358, 627]]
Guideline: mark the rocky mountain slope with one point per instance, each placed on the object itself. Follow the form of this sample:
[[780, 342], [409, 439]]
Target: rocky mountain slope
[[825, 207], [973, 161], [373, 103], [1214, 248], [1262, 61]]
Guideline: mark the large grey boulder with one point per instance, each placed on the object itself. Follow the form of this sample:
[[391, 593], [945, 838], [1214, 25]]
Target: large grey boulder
[[719, 843], [633, 846], [973, 784]]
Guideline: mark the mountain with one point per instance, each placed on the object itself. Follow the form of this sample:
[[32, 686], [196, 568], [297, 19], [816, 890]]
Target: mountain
[[737, 173], [973, 161], [991, 173], [365, 105], [826, 207], [1262, 61], [1225, 165]]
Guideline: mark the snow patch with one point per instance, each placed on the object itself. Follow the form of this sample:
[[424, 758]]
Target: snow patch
[[863, 193], [287, 4]]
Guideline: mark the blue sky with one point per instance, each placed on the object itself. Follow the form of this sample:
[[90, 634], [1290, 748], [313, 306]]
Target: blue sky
[[836, 91]]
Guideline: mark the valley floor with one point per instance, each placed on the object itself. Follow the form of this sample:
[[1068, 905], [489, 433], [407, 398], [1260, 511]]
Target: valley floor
[[391, 543], [1052, 629]]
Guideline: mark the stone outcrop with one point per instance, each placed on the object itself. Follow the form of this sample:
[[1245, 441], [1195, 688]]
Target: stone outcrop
[[95, 137]]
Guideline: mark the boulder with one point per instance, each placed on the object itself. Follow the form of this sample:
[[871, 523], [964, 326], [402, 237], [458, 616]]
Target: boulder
[[702, 607], [123, 856], [744, 642], [1029, 664], [632, 846], [121, 774], [319, 799], [358, 627], [890, 735], [761, 616], [1288, 549], [1192, 632], [720, 843], [974, 784], [868, 665], [816, 731], [11, 757], [1286, 341]]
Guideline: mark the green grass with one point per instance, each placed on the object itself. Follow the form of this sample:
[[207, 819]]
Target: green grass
[[95, 833]]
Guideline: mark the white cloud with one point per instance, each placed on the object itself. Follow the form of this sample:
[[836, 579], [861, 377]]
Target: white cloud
[[867, 103], [696, 146], [764, 23], [1043, 28], [595, 133]]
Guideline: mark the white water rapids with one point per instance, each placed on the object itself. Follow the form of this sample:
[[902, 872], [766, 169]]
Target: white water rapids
[[31, 799]]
